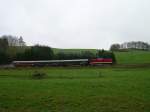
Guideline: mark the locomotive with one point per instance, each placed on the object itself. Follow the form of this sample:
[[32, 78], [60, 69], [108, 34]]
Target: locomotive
[[74, 62]]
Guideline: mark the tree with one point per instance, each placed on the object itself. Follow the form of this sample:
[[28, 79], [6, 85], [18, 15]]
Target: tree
[[138, 45], [3, 44], [41, 52], [87, 55], [21, 42], [3, 51], [14, 41], [36, 53], [60, 56], [115, 47]]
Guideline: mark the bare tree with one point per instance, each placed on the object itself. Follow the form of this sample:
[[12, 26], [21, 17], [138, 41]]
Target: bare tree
[[135, 45], [21, 42], [14, 41]]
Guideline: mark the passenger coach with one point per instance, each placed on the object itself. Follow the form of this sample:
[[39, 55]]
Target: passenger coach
[[51, 62]]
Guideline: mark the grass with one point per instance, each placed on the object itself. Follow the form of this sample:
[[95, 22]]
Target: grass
[[75, 90], [133, 57]]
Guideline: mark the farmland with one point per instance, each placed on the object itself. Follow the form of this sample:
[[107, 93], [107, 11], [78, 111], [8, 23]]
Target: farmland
[[75, 90]]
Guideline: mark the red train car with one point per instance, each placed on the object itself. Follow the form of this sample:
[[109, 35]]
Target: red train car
[[99, 61]]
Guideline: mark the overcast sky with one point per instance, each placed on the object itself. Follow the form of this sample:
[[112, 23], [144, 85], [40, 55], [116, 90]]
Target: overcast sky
[[76, 23]]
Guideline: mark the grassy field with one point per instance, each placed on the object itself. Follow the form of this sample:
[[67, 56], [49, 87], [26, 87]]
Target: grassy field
[[133, 57], [75, 90]]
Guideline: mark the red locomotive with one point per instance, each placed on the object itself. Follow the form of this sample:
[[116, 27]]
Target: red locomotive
[[101, 61]]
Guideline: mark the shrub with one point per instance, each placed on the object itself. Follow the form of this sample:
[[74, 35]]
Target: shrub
[[39, 75]]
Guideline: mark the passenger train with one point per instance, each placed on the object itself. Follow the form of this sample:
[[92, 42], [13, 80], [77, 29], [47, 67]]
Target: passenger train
[[74, 62]]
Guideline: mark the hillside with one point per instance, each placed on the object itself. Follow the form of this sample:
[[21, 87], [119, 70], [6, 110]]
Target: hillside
[[133, 57]]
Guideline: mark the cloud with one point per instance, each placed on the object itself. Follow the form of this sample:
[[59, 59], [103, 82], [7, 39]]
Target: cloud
[[76, 23]]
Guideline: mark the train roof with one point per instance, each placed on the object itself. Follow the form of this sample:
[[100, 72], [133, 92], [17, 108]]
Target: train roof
[[50, 61]]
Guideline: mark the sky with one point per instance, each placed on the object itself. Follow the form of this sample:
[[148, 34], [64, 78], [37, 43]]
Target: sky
[[76, 23]]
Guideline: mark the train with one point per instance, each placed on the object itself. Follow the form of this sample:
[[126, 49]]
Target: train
[[73, 62]]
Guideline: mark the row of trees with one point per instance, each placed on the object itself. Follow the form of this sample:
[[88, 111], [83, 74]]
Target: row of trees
[[35, 53], [8, 45], [139, 45], [13, 40], [46, 53]]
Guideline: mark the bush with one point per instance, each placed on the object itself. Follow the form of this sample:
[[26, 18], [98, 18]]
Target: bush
[[39, 75]]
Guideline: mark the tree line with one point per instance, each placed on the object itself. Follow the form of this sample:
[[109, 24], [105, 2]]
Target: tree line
[[139, 45], [19, 52]]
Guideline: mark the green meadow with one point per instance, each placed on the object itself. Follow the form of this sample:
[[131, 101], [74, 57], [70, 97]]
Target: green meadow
[[133, 57], [80, 89], [75, 90]]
